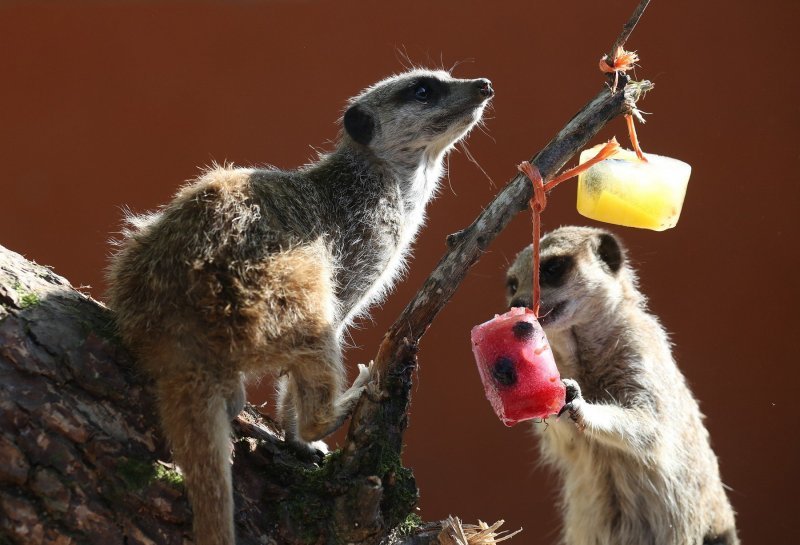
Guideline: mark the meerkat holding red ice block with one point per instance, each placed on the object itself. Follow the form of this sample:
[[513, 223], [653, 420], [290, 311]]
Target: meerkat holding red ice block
[[249, 271], [631, 447]]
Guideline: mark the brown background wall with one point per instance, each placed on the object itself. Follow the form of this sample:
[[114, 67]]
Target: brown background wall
[[110, 104]]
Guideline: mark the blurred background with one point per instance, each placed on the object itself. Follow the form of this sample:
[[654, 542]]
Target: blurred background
[[112, 104]]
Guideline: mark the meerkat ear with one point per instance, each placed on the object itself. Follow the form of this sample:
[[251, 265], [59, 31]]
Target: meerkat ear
[[610, 251], [359, 124]]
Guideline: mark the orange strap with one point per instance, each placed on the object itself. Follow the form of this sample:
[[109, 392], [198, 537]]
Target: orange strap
[[622, 62], [538, 203], [634, 138]]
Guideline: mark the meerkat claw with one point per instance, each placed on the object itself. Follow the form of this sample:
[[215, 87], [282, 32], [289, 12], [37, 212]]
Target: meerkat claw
[[572, 399], [364, 374], [573, 390]]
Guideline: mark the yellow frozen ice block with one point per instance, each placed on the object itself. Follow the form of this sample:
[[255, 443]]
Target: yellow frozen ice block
[[627, 191]]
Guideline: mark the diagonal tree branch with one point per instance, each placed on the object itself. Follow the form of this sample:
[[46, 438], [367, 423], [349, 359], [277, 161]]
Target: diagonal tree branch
[[83, 448], [379, 421], [627, 29]]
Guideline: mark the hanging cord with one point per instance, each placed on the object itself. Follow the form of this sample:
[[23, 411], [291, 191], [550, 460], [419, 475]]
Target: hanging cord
[[538, 203], [633, 137]]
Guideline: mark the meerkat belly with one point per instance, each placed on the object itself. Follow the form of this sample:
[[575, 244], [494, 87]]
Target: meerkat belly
[[610, 500]]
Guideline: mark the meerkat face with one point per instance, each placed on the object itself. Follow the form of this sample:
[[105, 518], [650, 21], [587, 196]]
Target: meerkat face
[[579, 277], [416, 114]]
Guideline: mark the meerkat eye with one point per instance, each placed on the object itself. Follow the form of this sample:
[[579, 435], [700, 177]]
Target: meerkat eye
[[512, 285], [424, 90], [552, 271]]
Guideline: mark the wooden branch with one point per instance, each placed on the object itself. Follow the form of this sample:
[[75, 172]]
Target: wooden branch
[[82, 459], [466, 246], [379, 423], [627, 29]]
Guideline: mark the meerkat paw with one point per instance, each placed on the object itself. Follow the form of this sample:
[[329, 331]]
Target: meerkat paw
[[573, 402], [313, 451], [350, 397], [370, 379], [321, 447], [364, 375]]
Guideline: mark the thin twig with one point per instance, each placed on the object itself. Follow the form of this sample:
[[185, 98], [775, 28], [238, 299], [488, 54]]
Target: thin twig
[[453, 266], [628, 28]]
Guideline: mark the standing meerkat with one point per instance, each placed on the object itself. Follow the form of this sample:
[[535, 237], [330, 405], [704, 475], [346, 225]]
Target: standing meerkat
[[634, 455], [249, 271]]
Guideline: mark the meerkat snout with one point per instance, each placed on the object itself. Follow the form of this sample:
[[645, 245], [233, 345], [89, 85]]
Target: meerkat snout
[[485, 87], [423, 112]]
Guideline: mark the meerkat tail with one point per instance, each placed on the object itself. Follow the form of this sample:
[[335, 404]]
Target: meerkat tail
[[196, 422]]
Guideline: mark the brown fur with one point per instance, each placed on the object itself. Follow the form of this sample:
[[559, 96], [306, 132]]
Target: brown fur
[[632, 450], [216, 307]]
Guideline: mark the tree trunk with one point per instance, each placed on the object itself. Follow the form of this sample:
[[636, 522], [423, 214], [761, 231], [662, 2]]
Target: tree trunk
[[81, 457], [82, 460]]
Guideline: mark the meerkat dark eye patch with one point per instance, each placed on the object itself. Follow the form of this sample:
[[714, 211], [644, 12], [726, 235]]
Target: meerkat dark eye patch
[[553, 270], [503, 371], [359, 124], [425, 90], [610, 252]]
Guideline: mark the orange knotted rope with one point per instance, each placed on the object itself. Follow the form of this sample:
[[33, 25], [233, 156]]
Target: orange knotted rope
[[622, 62], [538, 203]]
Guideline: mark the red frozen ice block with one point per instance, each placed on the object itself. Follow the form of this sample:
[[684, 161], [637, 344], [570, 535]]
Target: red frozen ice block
[[517, 367]]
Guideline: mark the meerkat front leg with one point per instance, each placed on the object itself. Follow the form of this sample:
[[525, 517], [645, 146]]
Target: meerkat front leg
[[631, 429]]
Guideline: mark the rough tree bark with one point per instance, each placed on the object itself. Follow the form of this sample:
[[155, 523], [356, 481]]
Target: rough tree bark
[[82, 460]]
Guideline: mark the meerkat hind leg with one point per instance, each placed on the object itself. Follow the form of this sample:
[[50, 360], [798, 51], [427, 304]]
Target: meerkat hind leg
[[315, 388], [287, 416], [194, 409]]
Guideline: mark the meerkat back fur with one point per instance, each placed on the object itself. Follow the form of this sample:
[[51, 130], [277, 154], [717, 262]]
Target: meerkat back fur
[[631, 446], [250, 271]]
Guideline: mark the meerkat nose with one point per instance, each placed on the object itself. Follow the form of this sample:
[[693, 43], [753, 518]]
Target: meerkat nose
[[484, 87], [521, 302]]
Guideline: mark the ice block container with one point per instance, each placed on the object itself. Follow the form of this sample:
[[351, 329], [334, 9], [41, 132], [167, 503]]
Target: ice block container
[[517, 368], [625, 190]]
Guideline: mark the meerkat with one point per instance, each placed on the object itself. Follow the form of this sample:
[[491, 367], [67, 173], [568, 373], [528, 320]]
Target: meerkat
[[631, 447], [253, 271]]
